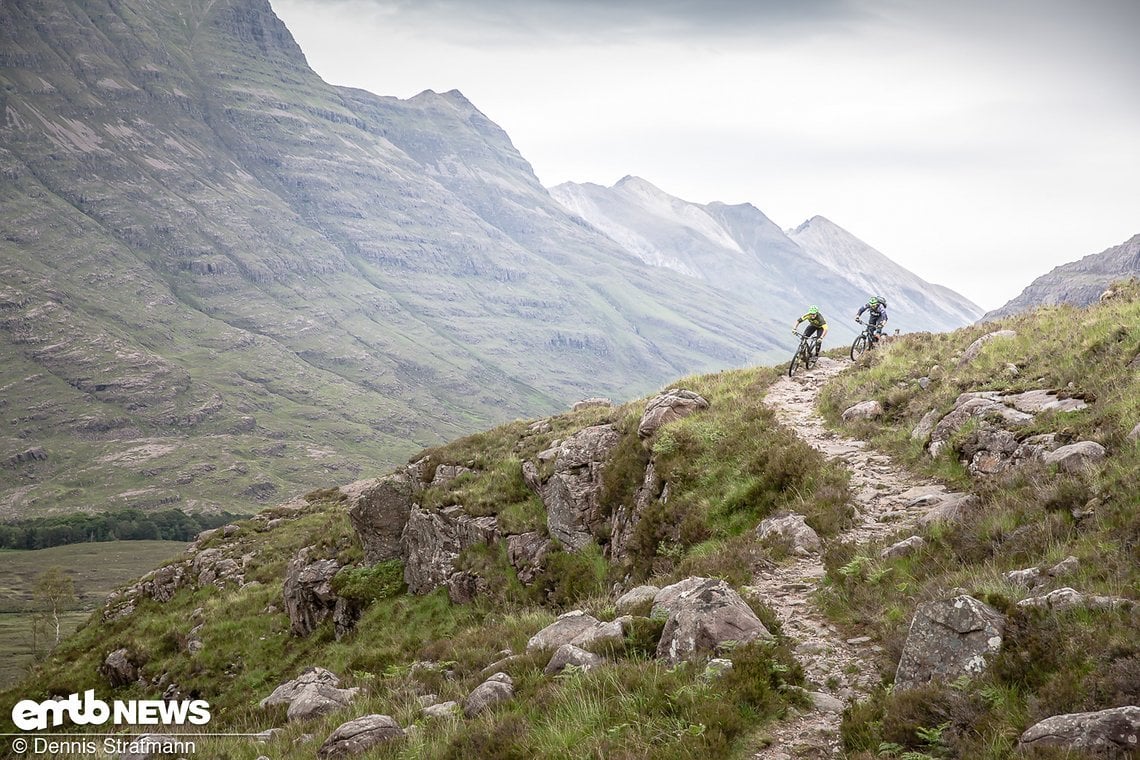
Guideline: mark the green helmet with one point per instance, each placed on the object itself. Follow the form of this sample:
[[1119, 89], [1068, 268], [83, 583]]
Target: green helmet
[[874, 300], [813, 310]]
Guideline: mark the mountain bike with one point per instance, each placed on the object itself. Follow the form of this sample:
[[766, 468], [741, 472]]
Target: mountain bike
[[807, 353], [866, 339]]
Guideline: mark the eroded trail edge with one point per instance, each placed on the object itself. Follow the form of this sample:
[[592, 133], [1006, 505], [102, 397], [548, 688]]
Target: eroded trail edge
[[887, 500]]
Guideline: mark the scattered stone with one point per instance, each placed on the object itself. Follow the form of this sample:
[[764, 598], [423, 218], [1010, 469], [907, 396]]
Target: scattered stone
[[975, 348], [952, 507], [1107, 733], [636, 598], [568, 654], [119, 668], [1067, 566], [825, 703], [705, 618], [923, 382], [793, 530], [1030, 577], [1076, 456], [903, 548], [499, 665], [864, 410], [1035, 402], [442, 710], [495, 690], [359, 735], [564, 630], [1069, 598], [1012, 370], [35, 454], [268, 735], [949, 639], [666, 407]]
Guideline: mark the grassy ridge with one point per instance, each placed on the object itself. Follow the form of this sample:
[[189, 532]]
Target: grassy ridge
[[1033, 516], [727, 468]]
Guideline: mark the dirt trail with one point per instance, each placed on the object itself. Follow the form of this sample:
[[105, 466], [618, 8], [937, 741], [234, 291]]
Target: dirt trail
[[887, 499]]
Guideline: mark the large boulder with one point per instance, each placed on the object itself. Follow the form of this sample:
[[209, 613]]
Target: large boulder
[[976, 347], [793, 531], [359, 735], [948, 639], [379, 509], [1076, 456], [706, 617], [572, 493], [432, 541], [568, 654], [568, 627], [666, 407], [307, 591], [314, 693], [631, 601], [968, 407], [495, 690], [864, 410], [1106, 733], [119, 668]]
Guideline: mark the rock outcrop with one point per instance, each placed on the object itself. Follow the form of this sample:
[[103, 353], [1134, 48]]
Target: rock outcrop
[[495, 690], [307, 591], [432, 541], [949, 639], [119, 668], [666, 407], [379, 510], [314, 693]]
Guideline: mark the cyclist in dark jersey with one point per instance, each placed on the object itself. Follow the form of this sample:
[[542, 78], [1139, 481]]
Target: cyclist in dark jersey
[[877, 317], [816, 323]]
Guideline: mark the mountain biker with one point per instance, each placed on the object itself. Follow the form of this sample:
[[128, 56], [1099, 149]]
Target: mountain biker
[[877, 314], [816, 324]]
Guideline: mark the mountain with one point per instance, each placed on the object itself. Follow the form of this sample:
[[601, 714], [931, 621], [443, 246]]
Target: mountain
[[224, 278], [1079, 282], [738, 249]]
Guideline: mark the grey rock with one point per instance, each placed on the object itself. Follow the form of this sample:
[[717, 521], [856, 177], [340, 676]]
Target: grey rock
[[903, 548], [627, 515], [1069, 598], [1067, 566], [268, 735], [1037, 401], [1106, 733], [465, 587], [564, 630], [568, 654], [666, 599], [950, 508], [976, 347], [359, 735], [307, 591], [315, 692], [925, 426], [716, 667], [635, 598], [825, 703], [442, 710], [704, 619], [445, 473], [949, 639], [499, 665], [119, 668], [1076, 456], [968, 407], [432, 540], [525, 552], [613, 631], [793, 530], [495, 690], [1030, 577], [1135, 434], [572, 493], [666, 407], [864, 410], [379, 510], [923, 382]]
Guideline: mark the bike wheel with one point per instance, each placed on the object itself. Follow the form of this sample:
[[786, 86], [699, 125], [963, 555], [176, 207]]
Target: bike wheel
[[858, 347], [794, 364]]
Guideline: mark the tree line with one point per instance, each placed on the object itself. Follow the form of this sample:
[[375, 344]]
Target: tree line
[[119, 525]]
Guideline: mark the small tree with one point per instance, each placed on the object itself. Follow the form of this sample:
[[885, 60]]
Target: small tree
[[54, 591]]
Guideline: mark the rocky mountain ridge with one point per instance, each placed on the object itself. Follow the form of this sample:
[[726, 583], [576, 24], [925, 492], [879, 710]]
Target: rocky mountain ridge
[[1078, 283], [212, 259], [739, 249]]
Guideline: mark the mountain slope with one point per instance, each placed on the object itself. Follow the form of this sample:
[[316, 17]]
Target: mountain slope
[[737, 248], [212, 258], [1078, 283]]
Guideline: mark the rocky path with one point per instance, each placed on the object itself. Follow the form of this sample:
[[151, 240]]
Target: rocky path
[[887, 499]]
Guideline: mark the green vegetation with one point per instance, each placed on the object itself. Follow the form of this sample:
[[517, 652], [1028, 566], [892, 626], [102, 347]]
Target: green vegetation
[[119, 525], [1031, 516]]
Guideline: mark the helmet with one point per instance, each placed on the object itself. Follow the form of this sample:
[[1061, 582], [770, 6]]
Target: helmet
[[813, 310], [874, 300], [881, 300]]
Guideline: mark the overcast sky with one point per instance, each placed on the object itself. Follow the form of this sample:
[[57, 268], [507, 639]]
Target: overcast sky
[[979, 143]]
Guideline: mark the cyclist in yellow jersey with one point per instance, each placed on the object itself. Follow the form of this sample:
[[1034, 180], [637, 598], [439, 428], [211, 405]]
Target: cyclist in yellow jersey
[[816, 323]]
